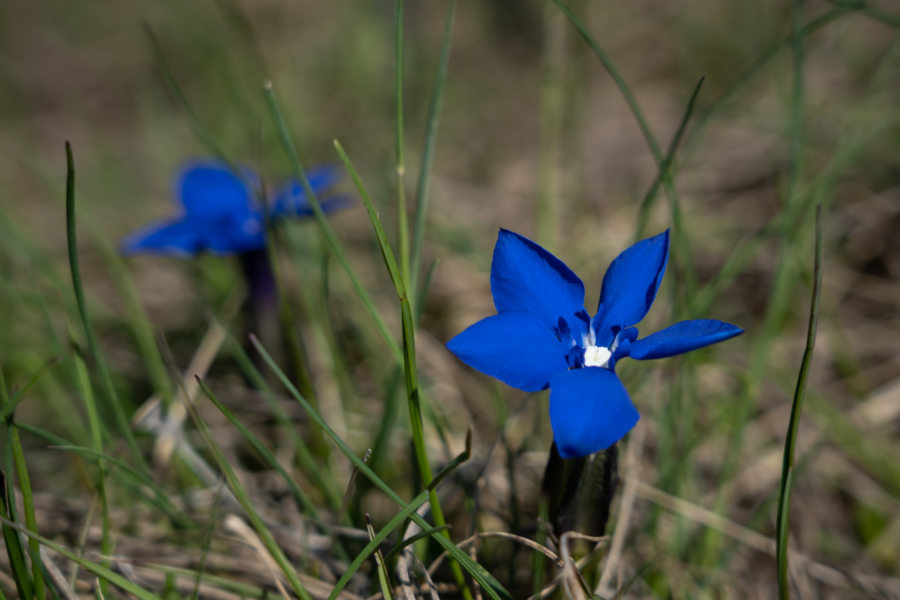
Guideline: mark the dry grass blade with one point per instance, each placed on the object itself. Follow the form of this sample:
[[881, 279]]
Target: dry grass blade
[[237, 526], [878, 586], [629, 494], [59, 580], [168, 427]]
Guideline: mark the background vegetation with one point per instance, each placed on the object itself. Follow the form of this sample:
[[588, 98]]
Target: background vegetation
[[797, 109]]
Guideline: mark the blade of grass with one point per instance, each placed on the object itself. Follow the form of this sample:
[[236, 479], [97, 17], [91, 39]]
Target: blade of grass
[[324, 226], [491, 586], [299, 495], [434, 117], [678, 232], [18, 456], [113, 402], [409, 357], [96, 429], [104, 573], [200, 130], [870, 11], [14, 548], [662, 172], [318, 470], [243, 498], [384, 578], [790, 442], [401, 518], [402, 226], [136, 479]]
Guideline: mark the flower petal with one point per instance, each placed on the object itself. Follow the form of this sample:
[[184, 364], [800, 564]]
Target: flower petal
[[589, 411], [291, 197], [527, 278], [514, 347], [209, 191], [630, 285], [171, 237], [683, 337]]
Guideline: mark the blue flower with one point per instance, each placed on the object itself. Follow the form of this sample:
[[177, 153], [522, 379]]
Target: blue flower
[[543, 337], [221, 213]]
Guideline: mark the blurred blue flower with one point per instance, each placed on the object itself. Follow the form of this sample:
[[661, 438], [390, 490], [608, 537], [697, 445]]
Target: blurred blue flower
[[543, 337], [221, 212]]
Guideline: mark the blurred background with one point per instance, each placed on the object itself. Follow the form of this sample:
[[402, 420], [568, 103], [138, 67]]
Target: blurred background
[[535, 137]]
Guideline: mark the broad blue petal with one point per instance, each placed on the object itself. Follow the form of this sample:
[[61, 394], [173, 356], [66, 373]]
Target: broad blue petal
[[515, 348], [589, 411], [209, 191], [291, 197], [683, 337], [527, 278], [172, 237], [230, 235], [630, 285]]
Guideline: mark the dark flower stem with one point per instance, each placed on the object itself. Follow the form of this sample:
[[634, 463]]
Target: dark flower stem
[[580, 491], [266, 317]]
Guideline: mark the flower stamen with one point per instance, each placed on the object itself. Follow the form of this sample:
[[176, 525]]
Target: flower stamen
[[597, 356]]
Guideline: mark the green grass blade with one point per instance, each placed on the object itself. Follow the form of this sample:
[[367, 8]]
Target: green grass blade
[[104, 573], [324, 226], [409, 357], [319, 471], [299, 495], [135, 478], [200, 130], [384, 578], [679, 235], [490, 585], [14, 549], [434, 117], [790, 442], [663, 171], [243, 498], [402, 225], [18, 455], [113, 402], [405, 513]]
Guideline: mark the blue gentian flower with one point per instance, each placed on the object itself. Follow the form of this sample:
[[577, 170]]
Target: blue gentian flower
[[221, 213], [543, 337]]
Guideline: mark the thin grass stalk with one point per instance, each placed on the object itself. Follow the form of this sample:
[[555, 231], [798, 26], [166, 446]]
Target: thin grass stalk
[[200, 130], [15, 551], [324, 226], [757, 65], [104, 573], [551, 126], [96, 428], [431, 131], [489, 584], [18, 455], [402, 217], [410, 371], [243, 498], [318, 470], [662, 172], [299, 495], [112, 398], [790, 442], [679, 234], [376, 540], [140, 326], [384, 578], [26, 585], [870, 11]]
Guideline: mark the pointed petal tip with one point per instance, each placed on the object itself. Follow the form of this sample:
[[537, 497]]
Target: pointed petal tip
[[682, 337]]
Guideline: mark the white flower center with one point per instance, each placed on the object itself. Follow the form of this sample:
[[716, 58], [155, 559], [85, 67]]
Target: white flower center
[[596, 356]]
